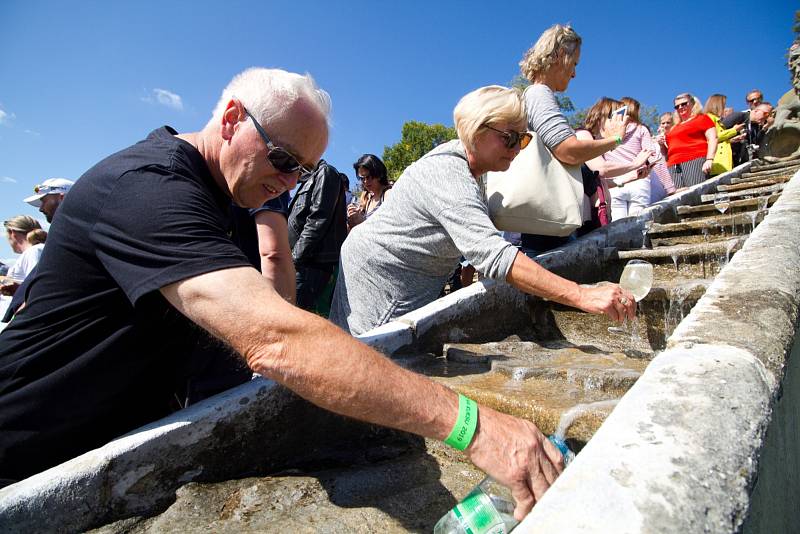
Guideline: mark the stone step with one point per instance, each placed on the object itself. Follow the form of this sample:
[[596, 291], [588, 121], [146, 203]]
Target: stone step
[[757, 176], [710, 224], [692, 250], [734, 205], [758, 191], [761, 165], [739, 186]]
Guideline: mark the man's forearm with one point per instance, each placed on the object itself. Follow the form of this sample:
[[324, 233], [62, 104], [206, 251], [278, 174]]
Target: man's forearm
[[311, 356]]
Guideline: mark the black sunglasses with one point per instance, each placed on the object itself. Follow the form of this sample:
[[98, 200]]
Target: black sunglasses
[[280, 158], [681, 104], [754, 100], [512, 138]]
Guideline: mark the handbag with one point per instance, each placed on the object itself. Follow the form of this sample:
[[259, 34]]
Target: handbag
[[537, 194]]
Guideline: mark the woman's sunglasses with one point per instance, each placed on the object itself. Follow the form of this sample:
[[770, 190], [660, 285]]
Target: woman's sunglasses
[[280, 158], [513, 138], [681, 104]]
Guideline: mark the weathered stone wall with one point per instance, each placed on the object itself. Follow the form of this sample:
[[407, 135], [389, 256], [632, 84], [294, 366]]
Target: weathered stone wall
[[684, 447]]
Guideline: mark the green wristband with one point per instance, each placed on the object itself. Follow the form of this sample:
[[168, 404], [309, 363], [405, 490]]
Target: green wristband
[[618, 139], [464, 429]]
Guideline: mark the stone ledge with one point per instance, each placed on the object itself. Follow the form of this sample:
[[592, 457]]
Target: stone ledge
[[678, 454]]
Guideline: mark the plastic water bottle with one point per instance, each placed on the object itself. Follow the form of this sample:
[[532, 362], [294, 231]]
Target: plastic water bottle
[[489, 507]]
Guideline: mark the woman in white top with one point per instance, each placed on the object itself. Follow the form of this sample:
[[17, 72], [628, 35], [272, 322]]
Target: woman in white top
[[17, 230]]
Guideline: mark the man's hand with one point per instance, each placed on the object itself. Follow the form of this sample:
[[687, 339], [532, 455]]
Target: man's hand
[[516, 454]]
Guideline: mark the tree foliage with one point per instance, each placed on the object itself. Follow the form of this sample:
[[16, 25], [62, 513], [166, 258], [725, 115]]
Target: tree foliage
[[648, 115], [416, 140]]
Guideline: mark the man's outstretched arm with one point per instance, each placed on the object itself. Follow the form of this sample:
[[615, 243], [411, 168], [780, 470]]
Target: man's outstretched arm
[[326, 366]]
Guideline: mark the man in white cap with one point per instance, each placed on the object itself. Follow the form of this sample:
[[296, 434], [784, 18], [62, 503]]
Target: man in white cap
[[48, 196]]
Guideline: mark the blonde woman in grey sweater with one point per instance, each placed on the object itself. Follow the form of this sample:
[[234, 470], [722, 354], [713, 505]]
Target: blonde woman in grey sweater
[[399, 259]]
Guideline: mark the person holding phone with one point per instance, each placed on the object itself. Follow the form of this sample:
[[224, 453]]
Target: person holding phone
[[630, 198], [373, 176]]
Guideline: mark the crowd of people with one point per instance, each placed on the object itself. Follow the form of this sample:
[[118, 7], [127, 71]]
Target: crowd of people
[[169, 234]]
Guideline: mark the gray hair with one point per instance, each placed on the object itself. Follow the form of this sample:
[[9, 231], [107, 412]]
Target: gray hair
[[488, 105], [558, 42], [22, 223], [268, 93]]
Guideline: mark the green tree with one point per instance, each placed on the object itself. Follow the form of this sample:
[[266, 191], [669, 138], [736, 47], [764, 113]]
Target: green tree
[[648, 115], [416, 140]]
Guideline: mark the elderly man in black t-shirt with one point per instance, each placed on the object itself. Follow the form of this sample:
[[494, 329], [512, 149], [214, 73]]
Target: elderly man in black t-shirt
[[141, 245]]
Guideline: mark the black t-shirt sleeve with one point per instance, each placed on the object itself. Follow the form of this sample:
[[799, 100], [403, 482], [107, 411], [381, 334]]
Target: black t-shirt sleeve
[[157, 228]]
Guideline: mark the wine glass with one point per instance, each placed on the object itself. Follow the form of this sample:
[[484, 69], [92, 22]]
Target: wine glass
[[722, 201], [637, 277]]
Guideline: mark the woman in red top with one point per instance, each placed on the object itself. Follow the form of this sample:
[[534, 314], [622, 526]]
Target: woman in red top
[[691, 143]]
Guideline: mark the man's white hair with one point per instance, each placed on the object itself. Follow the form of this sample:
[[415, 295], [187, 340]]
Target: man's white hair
[[268, 93]]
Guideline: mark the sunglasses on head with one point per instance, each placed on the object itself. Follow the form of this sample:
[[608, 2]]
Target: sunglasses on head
[[681, 104], [513, 138], [279, 157]]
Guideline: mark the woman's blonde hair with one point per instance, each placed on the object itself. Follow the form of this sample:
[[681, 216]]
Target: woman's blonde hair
[[488, 105], [558, 42], [633, 109], [697, 107], [715, 104], [37, 236], [598, 113]]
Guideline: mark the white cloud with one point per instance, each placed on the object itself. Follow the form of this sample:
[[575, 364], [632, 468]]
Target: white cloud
[[32, 132], [165, 98], [6, 117], [7, 180]]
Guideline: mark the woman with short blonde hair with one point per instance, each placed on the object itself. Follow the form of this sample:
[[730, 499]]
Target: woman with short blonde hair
[[400, 258], [493, 104]]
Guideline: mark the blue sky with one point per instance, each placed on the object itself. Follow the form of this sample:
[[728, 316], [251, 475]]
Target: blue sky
[[81, 80]]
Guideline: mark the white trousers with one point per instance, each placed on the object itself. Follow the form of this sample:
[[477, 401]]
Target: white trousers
[[630, 199]]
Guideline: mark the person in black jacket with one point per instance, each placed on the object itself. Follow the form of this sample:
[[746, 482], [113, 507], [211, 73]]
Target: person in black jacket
[[317, 229]]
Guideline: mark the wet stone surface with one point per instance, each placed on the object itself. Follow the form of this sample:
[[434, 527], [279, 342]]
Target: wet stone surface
[[408, 493]]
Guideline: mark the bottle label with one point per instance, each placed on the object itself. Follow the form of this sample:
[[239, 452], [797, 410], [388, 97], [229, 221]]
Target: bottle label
[[478, 515]]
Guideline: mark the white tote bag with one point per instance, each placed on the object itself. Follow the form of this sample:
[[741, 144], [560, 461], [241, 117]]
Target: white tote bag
[[537, 194]]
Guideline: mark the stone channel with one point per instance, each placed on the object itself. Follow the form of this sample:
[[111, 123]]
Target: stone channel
[[222, 469]]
